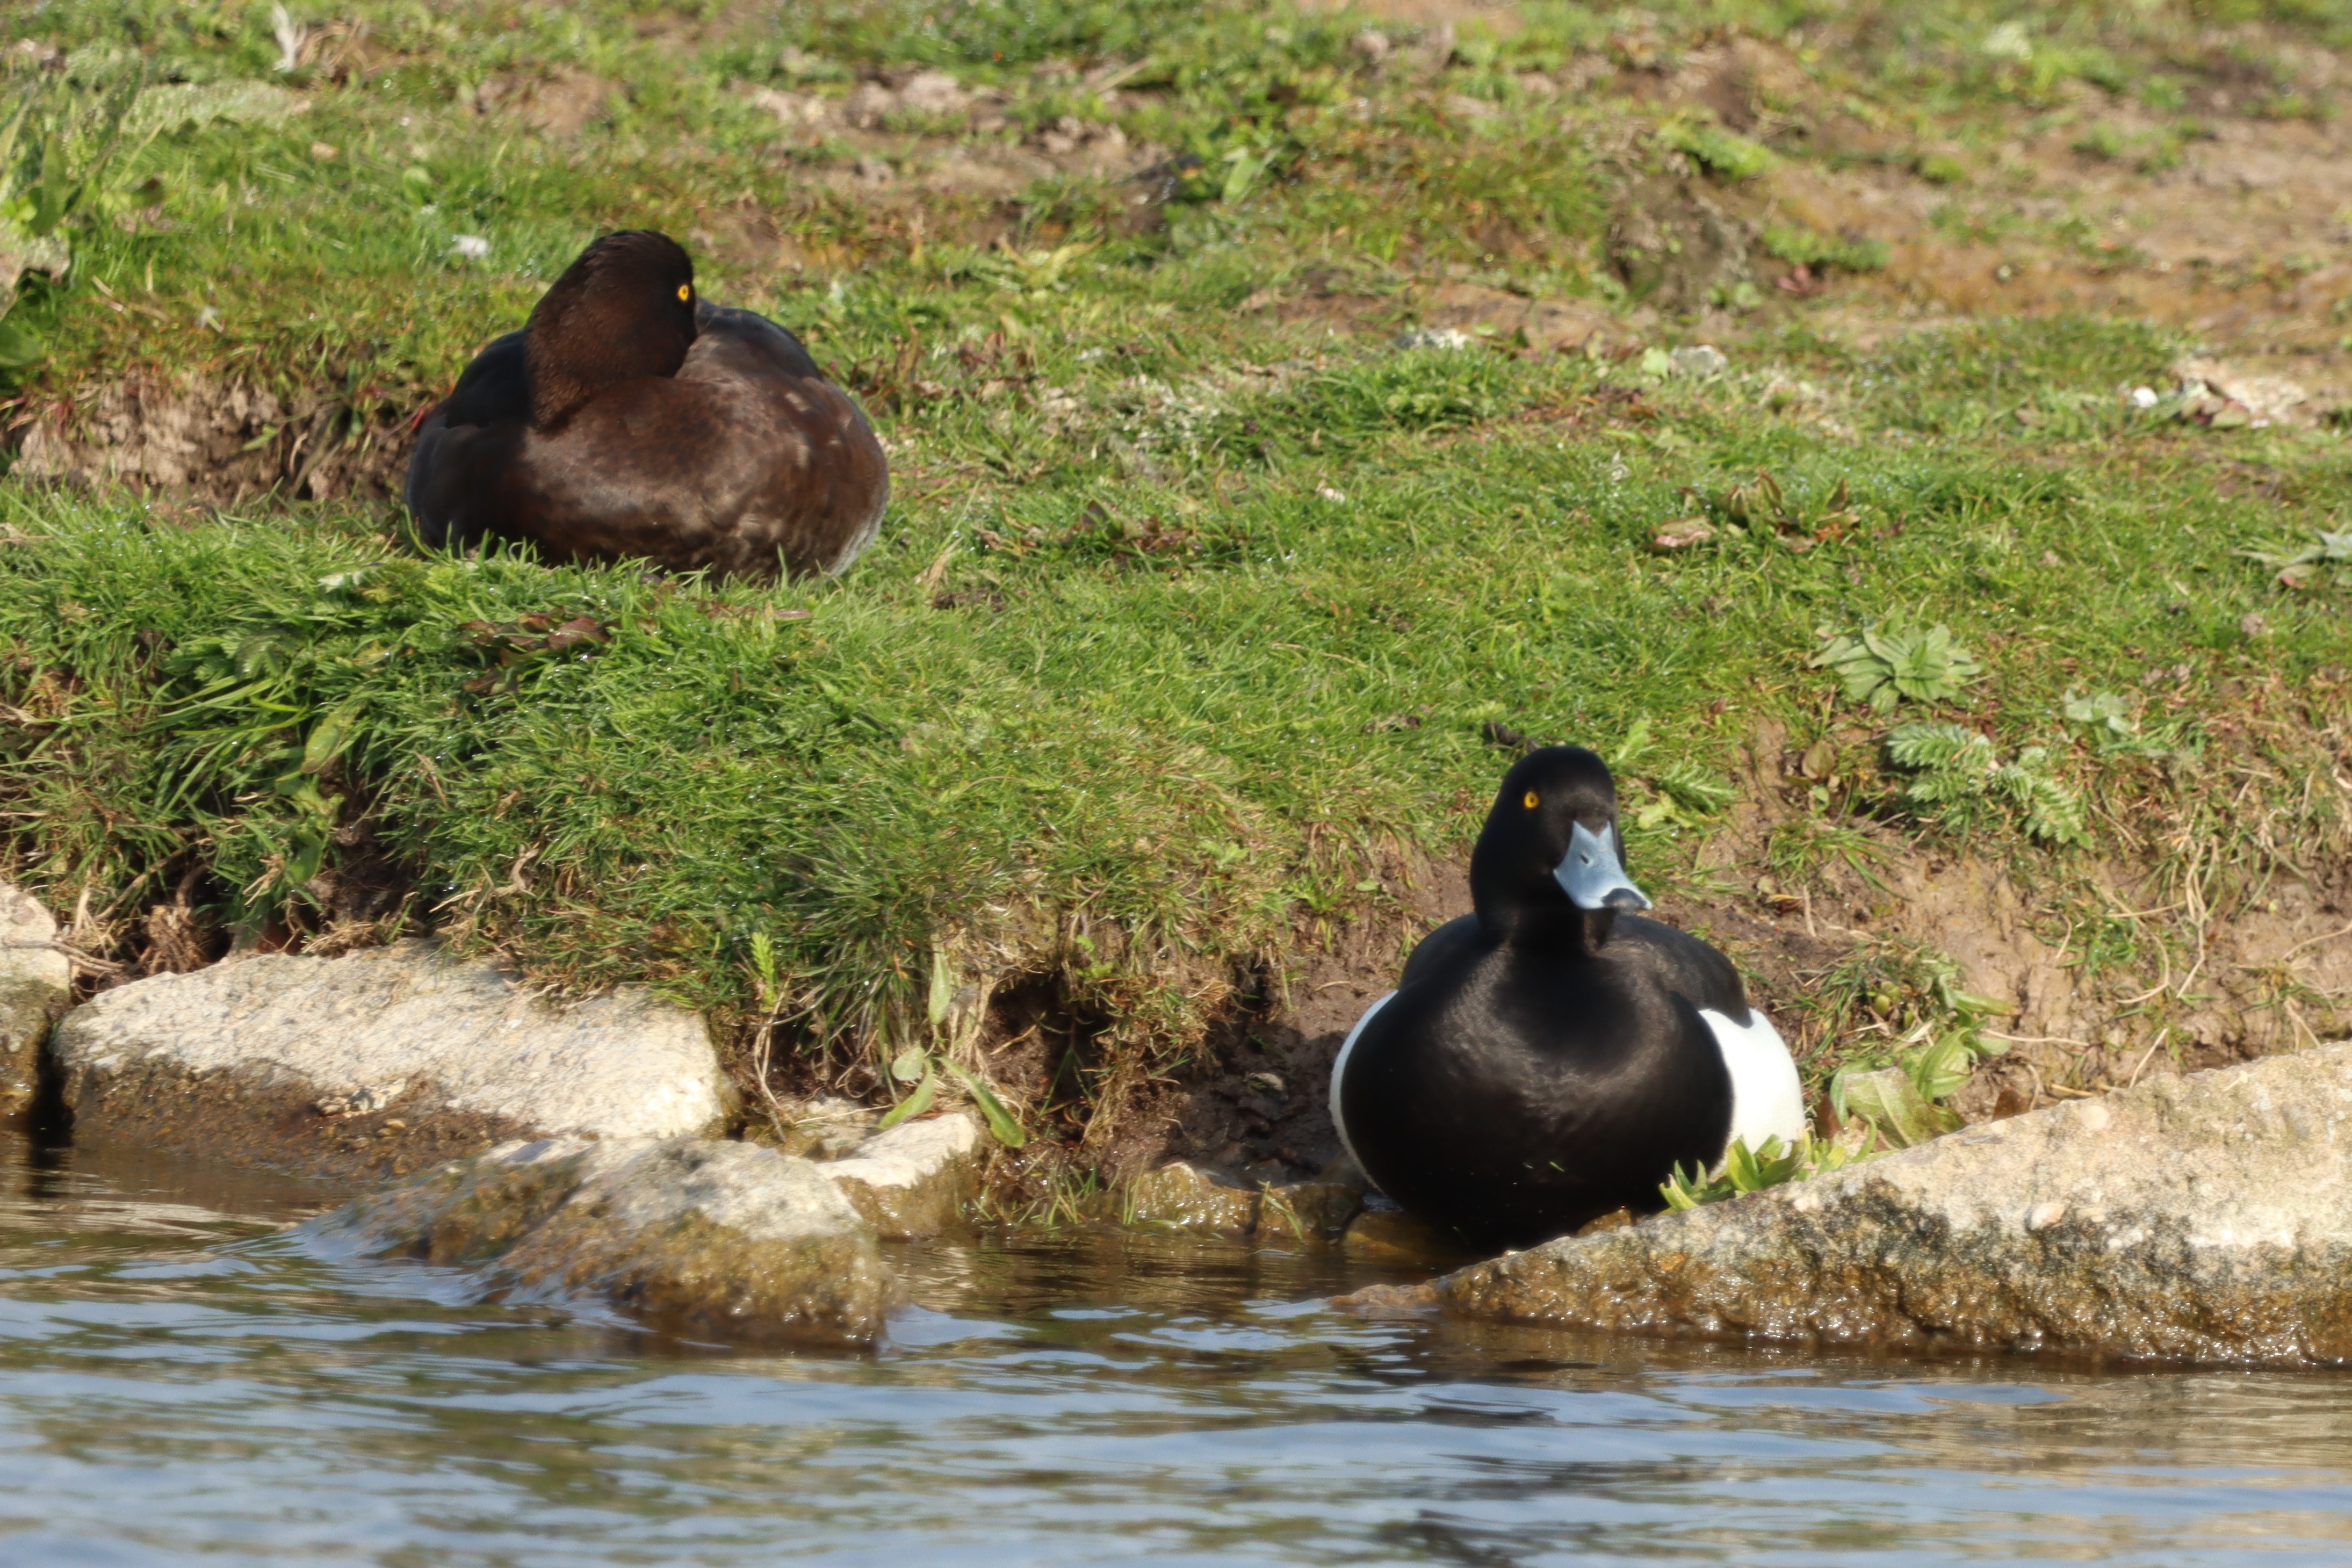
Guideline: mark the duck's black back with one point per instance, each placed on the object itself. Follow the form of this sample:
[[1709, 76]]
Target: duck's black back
[[1514, 1091]]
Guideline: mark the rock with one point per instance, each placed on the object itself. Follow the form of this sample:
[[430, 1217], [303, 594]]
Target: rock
[[1304, 1209], [383, 1062], [1683, 533], [2206, 1218], [1450, 339], [1432, 51], [1700, 360], [935, 93], [35, 983], [2218, 393], [689, 1236], [913, 1180], [1567, 326], [21, 253], [865, 107], [793, 110], [826, 1128], [1183, 1197]]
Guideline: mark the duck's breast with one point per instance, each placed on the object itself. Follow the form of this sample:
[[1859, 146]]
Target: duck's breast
[[1520, 1091]]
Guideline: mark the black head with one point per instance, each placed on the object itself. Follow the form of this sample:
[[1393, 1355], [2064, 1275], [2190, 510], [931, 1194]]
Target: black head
[[624, 309], [1551, 852]]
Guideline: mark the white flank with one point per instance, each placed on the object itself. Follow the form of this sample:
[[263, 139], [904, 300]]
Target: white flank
[[1766, 1099], [1339, 1065]]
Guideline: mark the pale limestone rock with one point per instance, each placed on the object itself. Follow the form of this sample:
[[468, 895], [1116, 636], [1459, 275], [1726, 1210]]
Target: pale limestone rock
[[689, 1236], [2205, 1218], [36, 982], [383, 1061], [935, 93], [914, 1179]]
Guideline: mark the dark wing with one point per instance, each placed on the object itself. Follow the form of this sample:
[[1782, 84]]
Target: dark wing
[[495, 389], [1686, 966], [1440, 948], [465, 440]]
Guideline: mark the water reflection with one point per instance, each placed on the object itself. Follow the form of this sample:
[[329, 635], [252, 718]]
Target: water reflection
[[178, 1383]]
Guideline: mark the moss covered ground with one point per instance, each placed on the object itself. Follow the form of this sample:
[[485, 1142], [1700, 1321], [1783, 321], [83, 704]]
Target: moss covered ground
[[1222, 577]]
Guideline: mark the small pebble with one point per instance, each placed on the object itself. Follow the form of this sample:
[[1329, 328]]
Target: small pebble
[[1700, 359], [1683, 533]]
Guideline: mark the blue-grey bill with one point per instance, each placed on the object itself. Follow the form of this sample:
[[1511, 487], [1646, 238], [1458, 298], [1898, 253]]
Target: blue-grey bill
[[1591, 876]]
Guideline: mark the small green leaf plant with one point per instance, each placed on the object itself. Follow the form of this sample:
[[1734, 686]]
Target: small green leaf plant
[[2101, 717], [1901, 1104], [2329, 561], [1883, 664], [1956, 773], [1804, 247], [1669, 794], [1763, 507], [1716, 150], [1888, 1101], [1752, 1170], [918, 1068], [1911, 998]]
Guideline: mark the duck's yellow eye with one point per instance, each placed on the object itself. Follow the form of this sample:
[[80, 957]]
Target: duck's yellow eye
[[686, 291], [1531, 801]]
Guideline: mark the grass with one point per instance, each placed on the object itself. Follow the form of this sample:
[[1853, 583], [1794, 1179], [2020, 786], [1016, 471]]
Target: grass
[[1190, 628]]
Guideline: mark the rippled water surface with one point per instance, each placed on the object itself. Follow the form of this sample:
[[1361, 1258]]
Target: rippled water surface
[[177, 1384]]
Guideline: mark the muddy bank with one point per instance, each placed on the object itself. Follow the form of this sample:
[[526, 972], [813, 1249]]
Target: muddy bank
[[2105, 972], [212, 439]]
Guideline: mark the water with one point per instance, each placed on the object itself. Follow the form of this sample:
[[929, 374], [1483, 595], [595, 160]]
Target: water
[[179, 1384]]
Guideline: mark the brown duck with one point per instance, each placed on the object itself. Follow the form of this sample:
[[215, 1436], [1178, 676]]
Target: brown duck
[[630, 420]]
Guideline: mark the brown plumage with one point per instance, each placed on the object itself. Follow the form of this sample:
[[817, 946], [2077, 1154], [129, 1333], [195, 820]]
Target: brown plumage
[[630, 420]]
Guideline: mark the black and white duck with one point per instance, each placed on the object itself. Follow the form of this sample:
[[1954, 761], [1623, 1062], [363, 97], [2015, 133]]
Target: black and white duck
[[1550, 1058]]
